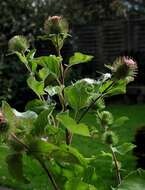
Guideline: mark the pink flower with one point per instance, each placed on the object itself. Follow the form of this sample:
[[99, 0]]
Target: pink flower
[[55, 18], [129, 62], [123, 67], [2, 119]]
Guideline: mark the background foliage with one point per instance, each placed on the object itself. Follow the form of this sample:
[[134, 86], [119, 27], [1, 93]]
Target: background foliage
[[26, 17]]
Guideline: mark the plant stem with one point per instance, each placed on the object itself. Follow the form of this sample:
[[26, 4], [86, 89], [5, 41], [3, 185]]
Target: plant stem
[[88, 108], [94, 101], [68, 134], [116, 166], [49, 174], [19, 141]]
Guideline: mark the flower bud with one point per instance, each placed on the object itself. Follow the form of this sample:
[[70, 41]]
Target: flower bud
[[124, 67], [56, 25], [18, 43], [110, 138], [106, 118]]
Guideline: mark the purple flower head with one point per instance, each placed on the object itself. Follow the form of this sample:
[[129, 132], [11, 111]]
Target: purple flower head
[[123, 68], [129, 62]]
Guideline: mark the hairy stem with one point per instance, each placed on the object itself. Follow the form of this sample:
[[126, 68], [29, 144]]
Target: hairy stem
[[116, 166]]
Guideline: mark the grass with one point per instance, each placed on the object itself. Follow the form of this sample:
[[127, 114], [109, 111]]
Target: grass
[[136, 114]]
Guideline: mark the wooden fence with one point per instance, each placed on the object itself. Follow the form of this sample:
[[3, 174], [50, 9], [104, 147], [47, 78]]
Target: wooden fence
[[108, 39]]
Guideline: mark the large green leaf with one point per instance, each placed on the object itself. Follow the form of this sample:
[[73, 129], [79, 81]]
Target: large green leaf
[[78, 95], [79, 58], [40, 147], [69, 154], [36, 86], [124, 148], [134, 181], [77, 184], [70, 124], [52, 63], [15, 166]]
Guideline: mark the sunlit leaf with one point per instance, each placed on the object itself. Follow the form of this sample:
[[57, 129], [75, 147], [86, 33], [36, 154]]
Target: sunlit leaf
[[53, 90], [43, 73], [36, 86], [52, 63], [78, 58]]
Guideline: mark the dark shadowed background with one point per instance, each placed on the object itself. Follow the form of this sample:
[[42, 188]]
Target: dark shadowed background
[[104, 28]]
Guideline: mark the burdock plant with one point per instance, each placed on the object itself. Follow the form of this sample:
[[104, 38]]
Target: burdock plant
[[45, 133]]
